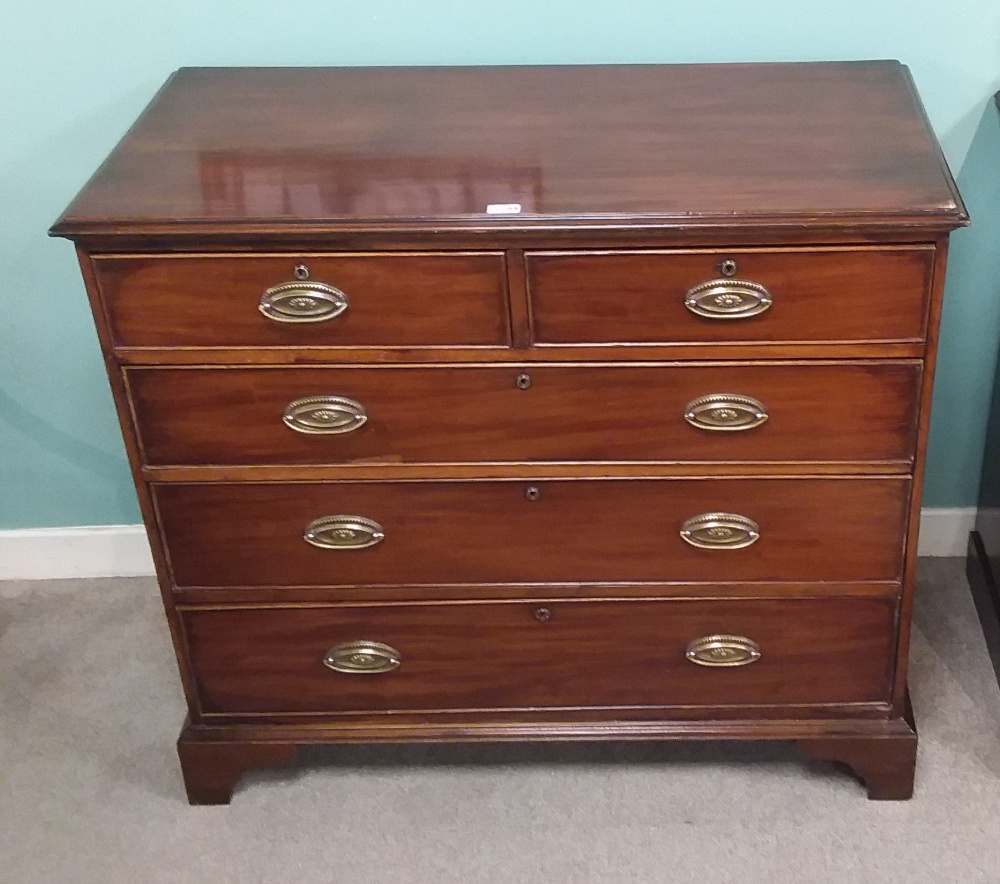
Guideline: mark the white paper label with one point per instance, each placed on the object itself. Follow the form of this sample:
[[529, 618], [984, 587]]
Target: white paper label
[[503, 209]]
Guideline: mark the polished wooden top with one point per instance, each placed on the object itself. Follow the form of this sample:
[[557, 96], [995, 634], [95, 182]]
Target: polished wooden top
[[822, 144]]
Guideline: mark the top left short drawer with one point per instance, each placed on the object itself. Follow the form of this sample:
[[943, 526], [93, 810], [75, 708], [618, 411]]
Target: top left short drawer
[[305, 300]]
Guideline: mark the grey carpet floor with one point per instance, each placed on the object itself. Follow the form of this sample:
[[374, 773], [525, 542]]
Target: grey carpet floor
[[90, 790]]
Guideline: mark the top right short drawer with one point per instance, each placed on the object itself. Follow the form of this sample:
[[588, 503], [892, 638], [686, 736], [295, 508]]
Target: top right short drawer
[[795, 295]]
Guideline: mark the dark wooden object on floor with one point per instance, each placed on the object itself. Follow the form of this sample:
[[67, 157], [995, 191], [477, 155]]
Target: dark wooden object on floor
[[559, 403], [982, 562]]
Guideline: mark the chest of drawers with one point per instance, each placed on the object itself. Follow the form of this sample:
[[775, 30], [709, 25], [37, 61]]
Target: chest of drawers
[[528, 403]]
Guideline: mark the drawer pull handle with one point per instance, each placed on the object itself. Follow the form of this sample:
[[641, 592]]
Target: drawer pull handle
[[726, 412], [723, 650], [720, 531], [303, 302], [728, 299], [324, 415], [362, 658], [344, 532]]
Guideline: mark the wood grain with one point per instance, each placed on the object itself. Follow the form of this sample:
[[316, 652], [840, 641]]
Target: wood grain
[[740, 145], [819, 295], [394, 299], [251, 534], [821, 181], [454, 414], [494, 656]]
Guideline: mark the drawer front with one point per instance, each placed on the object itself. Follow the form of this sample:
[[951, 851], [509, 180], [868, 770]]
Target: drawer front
[[541, 654], [387, 299], [844, 412], [253, 534], [816, 295]]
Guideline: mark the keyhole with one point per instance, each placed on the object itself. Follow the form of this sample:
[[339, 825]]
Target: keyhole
[[523, 381], [543, 614], [533, 492], [728, 267], [301, 272]]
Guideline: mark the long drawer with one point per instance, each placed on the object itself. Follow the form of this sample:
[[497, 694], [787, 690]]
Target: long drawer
[[807, 295], [324, 659], [864, 411], [401, 299], [361, 533]]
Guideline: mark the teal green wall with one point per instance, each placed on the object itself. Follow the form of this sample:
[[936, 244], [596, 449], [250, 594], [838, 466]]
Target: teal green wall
[[74, 75]]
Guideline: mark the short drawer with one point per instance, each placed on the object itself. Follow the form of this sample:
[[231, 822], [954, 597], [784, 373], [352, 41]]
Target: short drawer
[[364, 533], [223, 300], [542, 654], [796, 295], [462, 414]]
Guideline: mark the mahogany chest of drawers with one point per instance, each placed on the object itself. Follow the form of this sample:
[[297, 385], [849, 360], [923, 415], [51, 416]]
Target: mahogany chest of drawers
[[528, 403]]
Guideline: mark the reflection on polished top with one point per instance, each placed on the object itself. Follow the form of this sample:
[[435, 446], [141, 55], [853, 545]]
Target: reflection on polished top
[[317, 185], [506, 146]]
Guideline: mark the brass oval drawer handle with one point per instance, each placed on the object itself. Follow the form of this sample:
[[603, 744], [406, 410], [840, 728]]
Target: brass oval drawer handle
[[720, 531], [362, 658], [303, 302], [723, 650], [726, 412], [728, 299], [344, 532], [324, 415]]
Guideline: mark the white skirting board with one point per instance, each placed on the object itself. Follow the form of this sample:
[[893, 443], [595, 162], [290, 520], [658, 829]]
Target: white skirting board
[[123, 551], [944, 531], [84, 551]]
